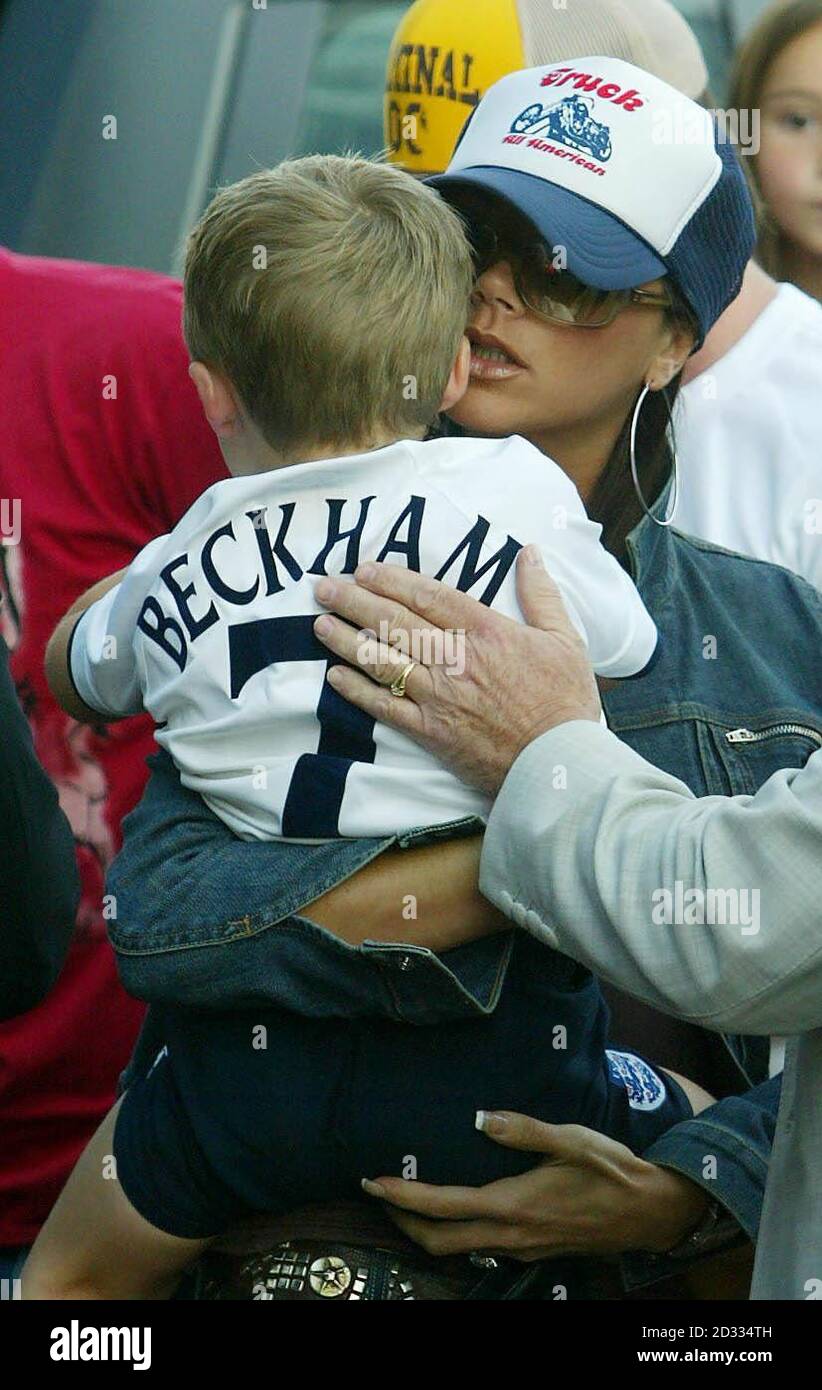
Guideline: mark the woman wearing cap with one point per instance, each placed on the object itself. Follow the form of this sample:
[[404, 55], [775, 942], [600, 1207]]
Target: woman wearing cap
[[594, 285], [597, 278]]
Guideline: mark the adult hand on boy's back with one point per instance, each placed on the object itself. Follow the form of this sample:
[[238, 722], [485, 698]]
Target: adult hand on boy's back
[[482, 686]]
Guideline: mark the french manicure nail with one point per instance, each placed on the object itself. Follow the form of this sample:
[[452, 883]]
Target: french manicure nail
[[372, 1188], [491, 1121]]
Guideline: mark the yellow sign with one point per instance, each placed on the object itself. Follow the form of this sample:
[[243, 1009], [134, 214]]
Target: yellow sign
[[445, 55]]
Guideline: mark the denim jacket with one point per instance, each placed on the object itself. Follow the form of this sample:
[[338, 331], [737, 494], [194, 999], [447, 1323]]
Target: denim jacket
[[732, 696]]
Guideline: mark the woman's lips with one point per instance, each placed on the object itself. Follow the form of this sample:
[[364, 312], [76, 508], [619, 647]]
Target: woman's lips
[[492, 363]]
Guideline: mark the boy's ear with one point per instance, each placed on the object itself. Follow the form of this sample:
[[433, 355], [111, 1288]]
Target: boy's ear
[[217, 399], [460, 376]]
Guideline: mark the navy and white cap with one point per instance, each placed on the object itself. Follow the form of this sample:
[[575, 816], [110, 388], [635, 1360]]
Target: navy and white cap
[[620, 169]]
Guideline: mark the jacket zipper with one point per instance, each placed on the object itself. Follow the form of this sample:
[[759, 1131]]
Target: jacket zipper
[[775, 731], [737, 736]]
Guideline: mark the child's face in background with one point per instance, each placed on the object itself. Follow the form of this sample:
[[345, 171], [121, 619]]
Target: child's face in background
[[790, 158]]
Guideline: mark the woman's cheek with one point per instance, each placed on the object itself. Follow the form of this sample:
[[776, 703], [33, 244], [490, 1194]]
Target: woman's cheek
[[493, 411]]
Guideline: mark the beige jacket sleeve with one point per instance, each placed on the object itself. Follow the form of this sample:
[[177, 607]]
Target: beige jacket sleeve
[[707, 909]]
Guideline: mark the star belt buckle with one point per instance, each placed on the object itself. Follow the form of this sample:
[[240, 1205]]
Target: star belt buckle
[[329, 1276]]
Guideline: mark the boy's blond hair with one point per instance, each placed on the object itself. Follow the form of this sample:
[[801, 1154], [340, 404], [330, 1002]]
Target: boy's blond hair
[[332, 291]]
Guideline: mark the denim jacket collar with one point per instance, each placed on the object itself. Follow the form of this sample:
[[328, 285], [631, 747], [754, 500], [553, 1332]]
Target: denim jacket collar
[[649, 553]]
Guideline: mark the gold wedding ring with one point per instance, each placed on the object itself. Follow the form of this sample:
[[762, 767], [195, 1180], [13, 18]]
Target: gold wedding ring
[[397, 687]]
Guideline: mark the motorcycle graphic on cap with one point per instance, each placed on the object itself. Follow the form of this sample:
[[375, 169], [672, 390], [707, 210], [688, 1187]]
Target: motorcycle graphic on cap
[[569, 122]]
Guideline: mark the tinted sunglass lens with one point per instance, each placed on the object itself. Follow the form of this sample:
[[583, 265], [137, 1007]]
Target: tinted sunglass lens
[[558, 295], [549, 291], [594, 308]]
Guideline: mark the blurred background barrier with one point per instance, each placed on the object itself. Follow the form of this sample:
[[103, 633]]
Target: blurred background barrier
[[203, 92]]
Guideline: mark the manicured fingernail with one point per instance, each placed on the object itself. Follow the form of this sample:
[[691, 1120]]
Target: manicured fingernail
[[490, 1121], [531, 555], [373, 1188], [325, 590], [334, 676], [323, 625], [366, 573]]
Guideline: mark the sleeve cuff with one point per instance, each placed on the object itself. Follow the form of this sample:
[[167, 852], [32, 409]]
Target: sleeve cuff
[[591, 746], [107, 684], [595, 753], [70, 655]]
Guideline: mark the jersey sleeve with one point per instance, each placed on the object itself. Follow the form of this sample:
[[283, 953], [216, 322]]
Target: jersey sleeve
[[102, 656], [600, 597], [602, 600], [519, 488]]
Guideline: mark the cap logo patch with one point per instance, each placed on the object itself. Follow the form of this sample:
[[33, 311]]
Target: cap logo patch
[[569, 122]]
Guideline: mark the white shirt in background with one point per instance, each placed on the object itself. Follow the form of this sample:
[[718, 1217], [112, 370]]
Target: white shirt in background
[[749, 441], [749, 444]]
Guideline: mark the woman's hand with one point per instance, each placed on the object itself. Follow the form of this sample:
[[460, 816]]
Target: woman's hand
[[589, 1196]]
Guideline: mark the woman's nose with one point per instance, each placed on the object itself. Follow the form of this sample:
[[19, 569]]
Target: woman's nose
[[496, 286]]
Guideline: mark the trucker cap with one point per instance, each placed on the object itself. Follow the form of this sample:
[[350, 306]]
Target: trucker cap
[[619, 169], [446, 53]]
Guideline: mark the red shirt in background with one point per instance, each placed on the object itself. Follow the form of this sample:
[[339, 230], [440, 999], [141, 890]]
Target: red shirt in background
[[103, 446]]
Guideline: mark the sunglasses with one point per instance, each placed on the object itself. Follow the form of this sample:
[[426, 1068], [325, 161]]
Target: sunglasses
[[553, 294]]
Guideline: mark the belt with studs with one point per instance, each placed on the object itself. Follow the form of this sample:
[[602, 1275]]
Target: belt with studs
[[311, 1269]]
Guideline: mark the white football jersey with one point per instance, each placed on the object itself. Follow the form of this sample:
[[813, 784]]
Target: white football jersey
[[211, 628]]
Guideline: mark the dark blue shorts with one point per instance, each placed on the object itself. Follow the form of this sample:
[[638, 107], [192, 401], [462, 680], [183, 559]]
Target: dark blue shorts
[[266, 1110]]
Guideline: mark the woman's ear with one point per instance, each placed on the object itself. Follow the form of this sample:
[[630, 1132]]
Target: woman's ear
[[672, 356], [460, 376]]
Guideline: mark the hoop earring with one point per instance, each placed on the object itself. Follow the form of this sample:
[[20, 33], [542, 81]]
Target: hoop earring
[[666, 521]]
